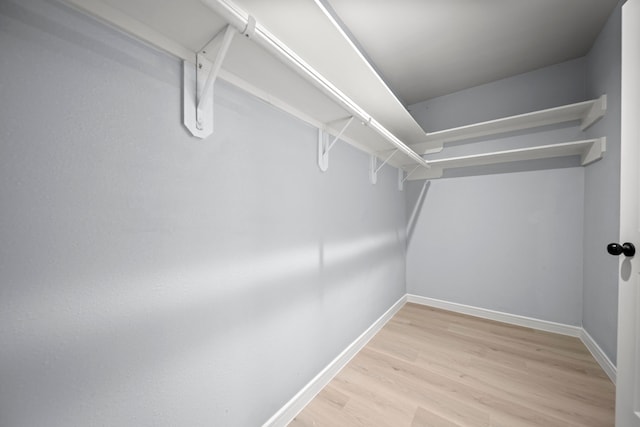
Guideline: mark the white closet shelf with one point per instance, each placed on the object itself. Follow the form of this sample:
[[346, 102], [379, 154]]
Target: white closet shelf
[[587, 112], [589, 151], [299, 75]]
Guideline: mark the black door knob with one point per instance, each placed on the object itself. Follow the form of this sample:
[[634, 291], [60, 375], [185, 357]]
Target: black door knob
[[626, 248]]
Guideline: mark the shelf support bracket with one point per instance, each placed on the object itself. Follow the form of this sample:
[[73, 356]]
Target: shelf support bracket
[[408, 175], [597, 111], [595, 151], [386, 160], [374, 168], [323, 154], [198, 85], [324, 147]]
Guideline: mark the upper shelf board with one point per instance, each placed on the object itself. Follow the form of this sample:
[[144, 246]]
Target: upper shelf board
[[589, 151], [588, 112], [184, 28]]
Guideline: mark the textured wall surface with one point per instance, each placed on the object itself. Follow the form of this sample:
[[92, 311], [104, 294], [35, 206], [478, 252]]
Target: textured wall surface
[[500, 242], [506, 238], [151, 278], [602, 194], [586, 78]]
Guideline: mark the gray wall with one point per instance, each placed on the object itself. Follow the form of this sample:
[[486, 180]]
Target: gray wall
[[547, 287], [506, 239], [150, 278], [602, 194], [547, 87]]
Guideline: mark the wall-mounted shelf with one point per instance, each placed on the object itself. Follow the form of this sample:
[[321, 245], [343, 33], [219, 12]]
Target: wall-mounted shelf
[[589, 151], [587, 113], [277, 65], [301, 76]]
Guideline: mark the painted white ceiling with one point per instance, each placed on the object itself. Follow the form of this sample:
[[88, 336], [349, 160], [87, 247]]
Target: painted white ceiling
[[428, 48]]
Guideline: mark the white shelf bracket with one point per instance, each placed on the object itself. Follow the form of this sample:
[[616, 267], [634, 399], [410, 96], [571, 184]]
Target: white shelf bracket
[[323, 154], [595, 151], [409, 174], [198, 86], [324, 147], [250, 29], [596, 112], [386, 160], [373, 169]]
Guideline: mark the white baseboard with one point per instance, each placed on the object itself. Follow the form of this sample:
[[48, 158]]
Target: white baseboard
[[605, 363], [575, 331], [289, 411], [513, 319]]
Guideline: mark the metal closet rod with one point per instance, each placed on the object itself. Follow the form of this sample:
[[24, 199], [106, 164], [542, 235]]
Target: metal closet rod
[[247, 25]]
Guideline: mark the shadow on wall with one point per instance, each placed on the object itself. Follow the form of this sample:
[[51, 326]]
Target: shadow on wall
[[144, 60], [111, 334], [415, 200]]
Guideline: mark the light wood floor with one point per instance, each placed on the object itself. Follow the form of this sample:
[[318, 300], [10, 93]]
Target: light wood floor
[[433, 368]]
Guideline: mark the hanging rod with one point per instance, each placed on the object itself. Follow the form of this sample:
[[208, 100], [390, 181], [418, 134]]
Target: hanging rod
[[247, 25]]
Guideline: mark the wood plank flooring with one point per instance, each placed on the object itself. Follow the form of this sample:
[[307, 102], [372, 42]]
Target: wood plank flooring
[[433, 368]]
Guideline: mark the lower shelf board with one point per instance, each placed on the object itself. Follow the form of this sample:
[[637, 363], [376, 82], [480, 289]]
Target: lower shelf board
[[589, 151]]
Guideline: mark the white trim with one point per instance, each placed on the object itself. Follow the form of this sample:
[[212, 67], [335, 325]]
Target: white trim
[[514, 319], [292, 408], [289, 411], [601, 357], [559, 328]]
